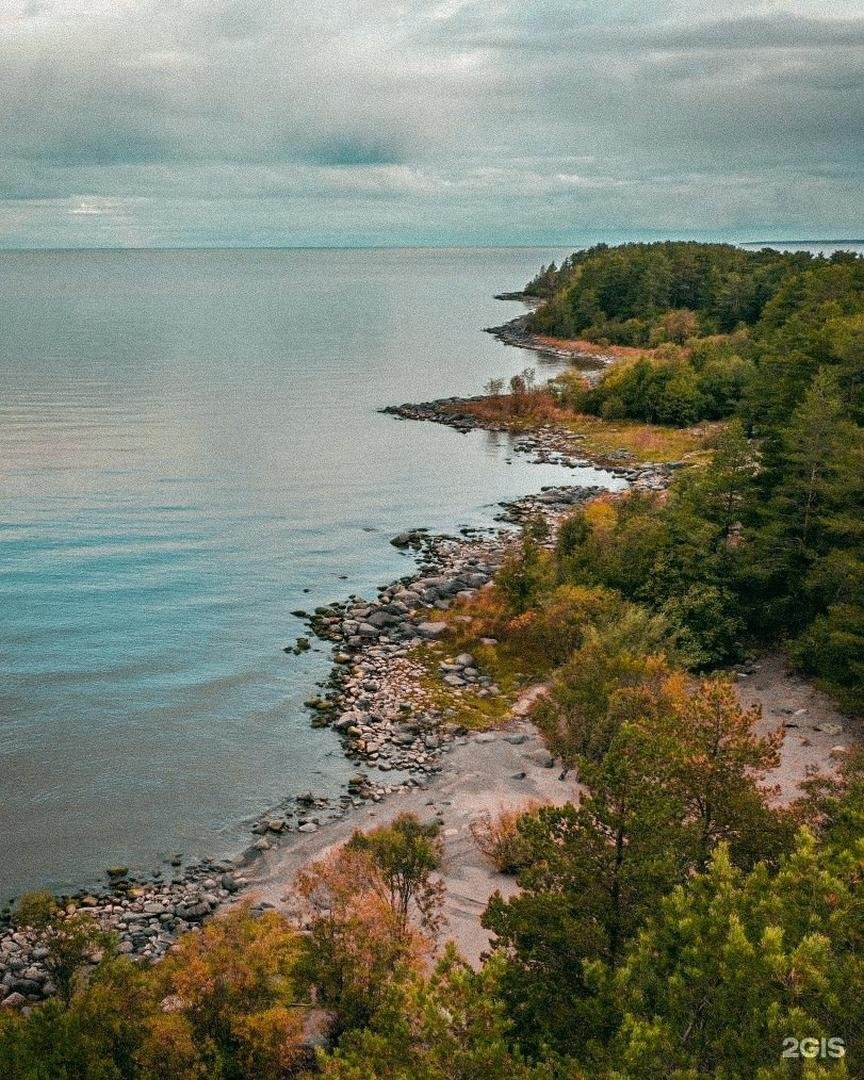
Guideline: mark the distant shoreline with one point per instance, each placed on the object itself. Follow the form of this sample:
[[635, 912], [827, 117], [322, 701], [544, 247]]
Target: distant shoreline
[[569, 245]]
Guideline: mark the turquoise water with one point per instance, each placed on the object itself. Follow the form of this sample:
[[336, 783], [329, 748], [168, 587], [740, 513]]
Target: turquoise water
[[189, 442]]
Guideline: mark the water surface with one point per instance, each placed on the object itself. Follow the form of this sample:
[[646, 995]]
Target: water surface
[[189, 442]]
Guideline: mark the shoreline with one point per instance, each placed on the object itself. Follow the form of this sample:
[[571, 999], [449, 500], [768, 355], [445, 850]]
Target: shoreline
[[411, 749], [515, 332], [591, 357], [149, 912]]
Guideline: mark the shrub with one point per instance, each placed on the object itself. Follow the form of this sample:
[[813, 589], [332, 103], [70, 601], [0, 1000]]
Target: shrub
[[71, 942], [499, 838]]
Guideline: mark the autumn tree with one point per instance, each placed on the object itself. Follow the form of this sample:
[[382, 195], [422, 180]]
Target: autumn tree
[[372, 908], [404, 856], [226, 1002], [575, 716], [718, 761]]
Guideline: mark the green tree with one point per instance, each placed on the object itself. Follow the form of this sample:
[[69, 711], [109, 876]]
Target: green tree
[[816, 508], [575, 716], [405, 855], [594, 873], [451, 1026], [524, 576], [71, 942], [733, 964]]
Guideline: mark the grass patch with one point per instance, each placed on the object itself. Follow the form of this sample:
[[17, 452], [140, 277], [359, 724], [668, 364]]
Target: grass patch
[[463, 706], [580, 347], [646, 443], [650, 443], [515, 412]]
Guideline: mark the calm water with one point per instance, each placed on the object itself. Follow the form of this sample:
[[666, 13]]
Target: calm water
[[188, 441]]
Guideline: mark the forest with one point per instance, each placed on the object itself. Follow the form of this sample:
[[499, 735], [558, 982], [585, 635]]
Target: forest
[[764, 544], [678, 921]]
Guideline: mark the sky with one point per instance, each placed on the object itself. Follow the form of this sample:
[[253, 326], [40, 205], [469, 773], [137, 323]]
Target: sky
[[364, 122]]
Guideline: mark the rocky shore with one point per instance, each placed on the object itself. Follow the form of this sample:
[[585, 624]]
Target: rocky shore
[[517, 333], [393, 724], [390, 725], [548, 444]]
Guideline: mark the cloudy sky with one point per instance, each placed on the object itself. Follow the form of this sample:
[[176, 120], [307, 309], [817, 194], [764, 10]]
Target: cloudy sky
[[187, 122]]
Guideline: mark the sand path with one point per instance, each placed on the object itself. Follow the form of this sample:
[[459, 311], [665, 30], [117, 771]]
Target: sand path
[[507, 768]]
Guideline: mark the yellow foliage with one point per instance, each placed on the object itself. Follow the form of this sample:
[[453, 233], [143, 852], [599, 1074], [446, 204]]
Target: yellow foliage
[[227, 988], [601, 515]]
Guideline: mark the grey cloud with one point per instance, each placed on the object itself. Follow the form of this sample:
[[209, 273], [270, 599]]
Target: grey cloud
[[352, 150], [501, 117]]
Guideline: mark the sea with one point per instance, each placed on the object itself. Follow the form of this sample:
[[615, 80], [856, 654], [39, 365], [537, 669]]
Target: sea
[[190, 450]]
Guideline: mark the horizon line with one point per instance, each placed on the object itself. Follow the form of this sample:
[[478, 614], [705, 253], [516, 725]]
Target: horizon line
[[380, 247], [409, 247]]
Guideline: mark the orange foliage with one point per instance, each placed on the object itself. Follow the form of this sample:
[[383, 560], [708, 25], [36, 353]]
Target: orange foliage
[[227, 990], [499, 839], [582, 347], [531, 407]]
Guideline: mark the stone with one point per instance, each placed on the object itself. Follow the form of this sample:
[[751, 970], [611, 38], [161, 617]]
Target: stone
[[484, 737], [541, 757], [380, 619], [197, 911], [431, 630], [464, 660], [308, 827]]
